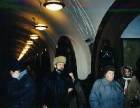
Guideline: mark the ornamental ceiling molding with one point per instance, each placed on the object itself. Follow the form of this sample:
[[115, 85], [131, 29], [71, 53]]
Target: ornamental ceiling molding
[[84, 25]]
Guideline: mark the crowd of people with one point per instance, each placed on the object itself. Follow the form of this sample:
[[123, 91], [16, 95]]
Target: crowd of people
[[62, 89]]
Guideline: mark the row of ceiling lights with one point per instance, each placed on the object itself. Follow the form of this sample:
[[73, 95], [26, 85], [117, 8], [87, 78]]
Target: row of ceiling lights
[[53, 5]]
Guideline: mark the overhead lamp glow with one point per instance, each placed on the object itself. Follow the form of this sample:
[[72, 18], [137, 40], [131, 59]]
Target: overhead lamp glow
[[29, 42], [27, 46], [21, 55], [34, 36], [23, 52], [54, 5], [25, 49], [40, 27]]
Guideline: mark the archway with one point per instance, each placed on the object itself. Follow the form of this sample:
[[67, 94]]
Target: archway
[[112, 26], [45, 62], [65, 48]]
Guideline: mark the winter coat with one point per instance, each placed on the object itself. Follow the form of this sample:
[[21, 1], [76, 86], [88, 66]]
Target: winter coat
[[123, 79], [133, 89], [21, 92], [55, 90], [105, 94], [79, 101]]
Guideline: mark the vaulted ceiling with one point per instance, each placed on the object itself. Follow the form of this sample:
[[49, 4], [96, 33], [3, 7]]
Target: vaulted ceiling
[[79, 20]]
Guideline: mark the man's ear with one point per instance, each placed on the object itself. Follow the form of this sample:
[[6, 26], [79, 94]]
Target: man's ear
[[55, 65], [11, 72]]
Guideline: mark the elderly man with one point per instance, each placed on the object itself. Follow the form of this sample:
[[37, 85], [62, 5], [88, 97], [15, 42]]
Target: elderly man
[[58, 86]]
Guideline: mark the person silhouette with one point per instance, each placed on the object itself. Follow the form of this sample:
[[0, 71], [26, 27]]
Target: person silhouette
[[106, 55]]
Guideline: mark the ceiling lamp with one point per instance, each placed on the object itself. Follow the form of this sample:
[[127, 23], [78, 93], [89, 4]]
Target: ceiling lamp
[[27, 46], [21, 55], [40, 27], [54, 5], [29, 42], [34, 36]]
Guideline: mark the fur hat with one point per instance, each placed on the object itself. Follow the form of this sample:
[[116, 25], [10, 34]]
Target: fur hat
[[59, 59]]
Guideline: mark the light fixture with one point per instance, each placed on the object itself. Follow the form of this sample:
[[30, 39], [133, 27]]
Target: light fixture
[[27, 46], [54, 5], [40, 27], [34, 36], [29, 42]]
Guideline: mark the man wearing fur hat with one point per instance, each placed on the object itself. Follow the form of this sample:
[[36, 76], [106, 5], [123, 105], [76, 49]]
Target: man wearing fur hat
[[58, 86]]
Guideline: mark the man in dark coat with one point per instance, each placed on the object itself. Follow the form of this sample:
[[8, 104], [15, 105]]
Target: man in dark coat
[[79, 101], [21, 88], [58, 86]]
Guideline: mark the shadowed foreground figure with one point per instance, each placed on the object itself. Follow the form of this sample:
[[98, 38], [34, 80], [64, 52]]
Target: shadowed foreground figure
[[21, 88], [106, 55], [106, 93]]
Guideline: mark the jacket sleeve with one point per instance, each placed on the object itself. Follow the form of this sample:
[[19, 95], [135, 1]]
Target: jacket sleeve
[[121, 96], [132, 88], [94, 95], [81, 96]]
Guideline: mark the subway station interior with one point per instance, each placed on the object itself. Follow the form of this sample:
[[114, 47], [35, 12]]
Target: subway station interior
[[77, 31]]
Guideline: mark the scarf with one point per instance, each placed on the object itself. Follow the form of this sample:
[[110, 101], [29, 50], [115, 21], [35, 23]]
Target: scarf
[[126, 84], [22, 74]]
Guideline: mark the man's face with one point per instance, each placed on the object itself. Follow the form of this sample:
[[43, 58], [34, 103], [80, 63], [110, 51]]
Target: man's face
[[59, 66], [110, 76], [14, 74]]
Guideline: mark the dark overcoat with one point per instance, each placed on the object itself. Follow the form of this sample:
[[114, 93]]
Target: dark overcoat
[[21, 93], [55, 90]]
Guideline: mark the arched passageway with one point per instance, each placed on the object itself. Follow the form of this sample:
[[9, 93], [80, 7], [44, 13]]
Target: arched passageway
[[65, 48]]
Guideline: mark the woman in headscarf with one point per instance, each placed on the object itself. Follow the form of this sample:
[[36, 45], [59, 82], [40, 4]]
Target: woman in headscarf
[[126, 72], [132, 97]]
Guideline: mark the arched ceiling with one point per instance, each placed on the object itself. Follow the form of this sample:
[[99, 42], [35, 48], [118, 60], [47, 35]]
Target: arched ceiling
[[79, 20]]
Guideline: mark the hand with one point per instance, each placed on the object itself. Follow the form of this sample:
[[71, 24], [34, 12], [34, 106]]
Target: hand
[[125, 90], [44, 106], [70, 89]]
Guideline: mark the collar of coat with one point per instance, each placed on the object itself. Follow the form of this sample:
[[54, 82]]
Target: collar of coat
[[106, 82], [22, 74]]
